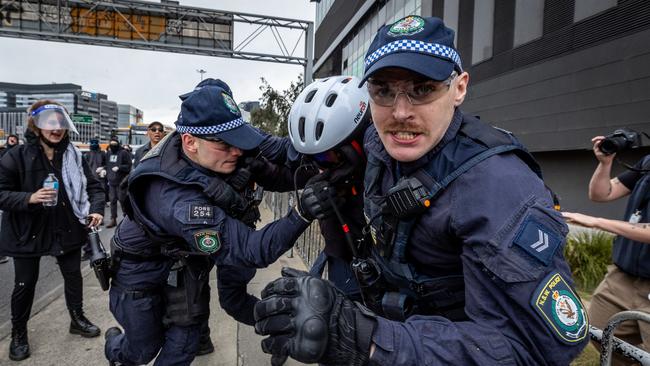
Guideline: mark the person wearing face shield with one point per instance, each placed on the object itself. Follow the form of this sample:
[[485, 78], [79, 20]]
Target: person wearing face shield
[[32, 227], [12, 141], [118, 166]]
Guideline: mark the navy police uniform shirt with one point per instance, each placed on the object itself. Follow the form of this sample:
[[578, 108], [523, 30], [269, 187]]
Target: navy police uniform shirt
[[495, 224], [186, 212]]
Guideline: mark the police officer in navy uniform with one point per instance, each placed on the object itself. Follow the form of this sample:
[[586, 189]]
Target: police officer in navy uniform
[[181, 206], [465, 244]]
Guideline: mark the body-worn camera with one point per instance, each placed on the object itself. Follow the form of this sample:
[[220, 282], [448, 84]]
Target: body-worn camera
[[621, 139]]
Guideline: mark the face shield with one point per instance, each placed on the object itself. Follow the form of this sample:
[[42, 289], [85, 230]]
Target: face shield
[[53, 117]]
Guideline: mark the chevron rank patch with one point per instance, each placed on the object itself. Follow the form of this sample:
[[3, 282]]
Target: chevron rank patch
[[207, 241], [537, 240], [560, 309]]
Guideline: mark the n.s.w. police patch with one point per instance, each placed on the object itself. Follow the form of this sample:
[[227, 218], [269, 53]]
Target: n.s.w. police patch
[[406, 26], [561, 309], [207, 241]]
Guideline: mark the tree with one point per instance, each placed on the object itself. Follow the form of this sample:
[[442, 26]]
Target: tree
[[274, 110]]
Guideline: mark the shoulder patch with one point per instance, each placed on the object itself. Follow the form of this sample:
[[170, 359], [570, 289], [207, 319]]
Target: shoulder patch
[[560, 308], [197, 211], [537, 240], [207, 241]]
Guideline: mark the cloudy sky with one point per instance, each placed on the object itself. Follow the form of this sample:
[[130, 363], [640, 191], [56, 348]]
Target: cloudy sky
[[150, 80]]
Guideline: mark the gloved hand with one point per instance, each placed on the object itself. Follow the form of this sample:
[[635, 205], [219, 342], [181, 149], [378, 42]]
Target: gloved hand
[[115, 168], [102, 173], [99, 170], [258, 166], [311, 321], [318, 199], [239, 178]]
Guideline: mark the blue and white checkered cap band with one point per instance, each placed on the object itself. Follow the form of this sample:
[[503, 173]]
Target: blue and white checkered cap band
[[211, 130], [412, 45]]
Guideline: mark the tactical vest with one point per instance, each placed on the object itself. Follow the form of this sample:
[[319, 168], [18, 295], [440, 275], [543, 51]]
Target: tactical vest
[[474, 142], [165, 161], [631, 256]]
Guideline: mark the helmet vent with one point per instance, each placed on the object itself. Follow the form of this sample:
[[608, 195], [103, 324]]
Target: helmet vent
[[310, 96], [346, 80], [301, 128], [319, 129], [330, 100]]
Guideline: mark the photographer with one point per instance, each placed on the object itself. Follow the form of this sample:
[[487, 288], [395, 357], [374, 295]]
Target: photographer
[[627, 283]]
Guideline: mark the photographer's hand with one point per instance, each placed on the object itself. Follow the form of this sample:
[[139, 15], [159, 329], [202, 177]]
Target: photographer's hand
[[602, 158]]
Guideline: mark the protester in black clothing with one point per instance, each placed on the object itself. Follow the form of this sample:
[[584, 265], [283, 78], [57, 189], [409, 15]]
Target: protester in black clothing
[[34, 226], [118, 166], [155, 132]]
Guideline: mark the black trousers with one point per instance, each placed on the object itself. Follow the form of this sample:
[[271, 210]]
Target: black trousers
[[114, 196], [26, 274]]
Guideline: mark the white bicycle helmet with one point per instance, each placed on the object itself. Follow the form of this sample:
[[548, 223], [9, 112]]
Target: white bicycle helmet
[[326, 113]]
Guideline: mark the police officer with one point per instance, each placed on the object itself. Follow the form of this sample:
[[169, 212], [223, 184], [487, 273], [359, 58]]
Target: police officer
[[182, 207], [467, 248], [627, 283]]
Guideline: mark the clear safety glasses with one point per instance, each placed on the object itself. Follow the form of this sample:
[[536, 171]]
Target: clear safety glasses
[[385, 93]]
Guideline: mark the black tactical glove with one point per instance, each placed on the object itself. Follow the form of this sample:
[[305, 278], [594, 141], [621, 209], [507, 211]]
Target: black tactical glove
[[311, 321], [258, 166], [239, 178], [318, 198]]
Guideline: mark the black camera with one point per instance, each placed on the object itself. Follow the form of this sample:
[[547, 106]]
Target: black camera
[[620, 140]]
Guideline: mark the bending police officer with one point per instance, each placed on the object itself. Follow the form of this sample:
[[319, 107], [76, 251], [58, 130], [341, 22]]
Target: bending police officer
[[182, 206], [465, 241]]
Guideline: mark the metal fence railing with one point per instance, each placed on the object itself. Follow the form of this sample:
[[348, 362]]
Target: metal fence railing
[[311, 242]]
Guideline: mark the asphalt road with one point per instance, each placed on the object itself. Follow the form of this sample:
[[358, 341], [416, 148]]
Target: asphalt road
[[48, 287]]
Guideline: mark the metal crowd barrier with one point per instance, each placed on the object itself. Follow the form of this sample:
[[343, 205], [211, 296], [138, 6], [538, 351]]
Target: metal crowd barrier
[[610, 344], [311, 242]]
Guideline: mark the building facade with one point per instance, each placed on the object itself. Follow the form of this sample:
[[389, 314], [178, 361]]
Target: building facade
[[92, 113], [554, 72], [129, 115]]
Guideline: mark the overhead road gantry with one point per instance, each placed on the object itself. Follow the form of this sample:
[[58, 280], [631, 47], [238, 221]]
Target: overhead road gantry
[[166, 26]]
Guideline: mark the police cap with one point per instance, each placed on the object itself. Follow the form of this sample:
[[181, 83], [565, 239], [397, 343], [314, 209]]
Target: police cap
[[210, 112], [422, 45]]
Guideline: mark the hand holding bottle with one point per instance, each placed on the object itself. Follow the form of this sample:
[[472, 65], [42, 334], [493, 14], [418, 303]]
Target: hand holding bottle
[[43, 195]]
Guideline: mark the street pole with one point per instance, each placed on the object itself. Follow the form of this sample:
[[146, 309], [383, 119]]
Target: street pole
[[201, 71]]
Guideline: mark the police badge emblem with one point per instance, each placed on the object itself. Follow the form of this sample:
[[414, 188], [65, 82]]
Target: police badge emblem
[[230, 103], [406, 26], [207, 241], [560, 308]]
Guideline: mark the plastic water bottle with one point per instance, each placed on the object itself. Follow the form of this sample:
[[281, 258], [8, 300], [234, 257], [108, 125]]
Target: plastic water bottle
[[51, 182]]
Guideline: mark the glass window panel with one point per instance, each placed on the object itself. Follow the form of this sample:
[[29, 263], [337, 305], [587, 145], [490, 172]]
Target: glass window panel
[[381, 17], [587, 8], [483, 30], [529, 20], [450, 17], [409, 7]]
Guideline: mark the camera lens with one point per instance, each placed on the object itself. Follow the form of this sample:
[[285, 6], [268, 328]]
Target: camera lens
[[613, 144]]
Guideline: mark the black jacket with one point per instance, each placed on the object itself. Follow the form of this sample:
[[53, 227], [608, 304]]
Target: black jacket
[[95, 159], [30, 230], [120, 159], [140, 152]]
